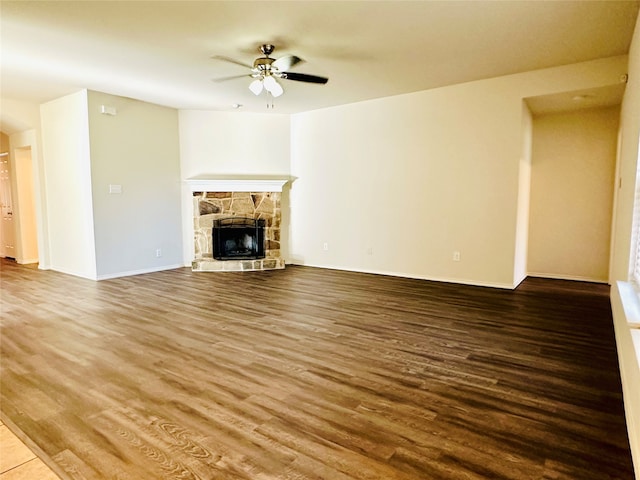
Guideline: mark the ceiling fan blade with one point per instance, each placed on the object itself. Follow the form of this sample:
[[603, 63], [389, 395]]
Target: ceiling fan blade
[[303, 77], [231, 60], [286, 62], [231, 77]]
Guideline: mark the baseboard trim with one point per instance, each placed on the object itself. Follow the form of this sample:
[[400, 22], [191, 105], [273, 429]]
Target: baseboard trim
[[131, 273], [461, 281], [27, 261], [576, 278], [70, 272]]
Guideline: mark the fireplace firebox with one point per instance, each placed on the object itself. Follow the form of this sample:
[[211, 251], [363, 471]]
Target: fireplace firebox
[[238, 238]]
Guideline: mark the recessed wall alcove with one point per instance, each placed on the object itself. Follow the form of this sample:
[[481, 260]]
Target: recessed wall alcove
[[215, 198]]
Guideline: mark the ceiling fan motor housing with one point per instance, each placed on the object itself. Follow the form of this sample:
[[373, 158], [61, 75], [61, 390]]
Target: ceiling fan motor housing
[[263, 63]]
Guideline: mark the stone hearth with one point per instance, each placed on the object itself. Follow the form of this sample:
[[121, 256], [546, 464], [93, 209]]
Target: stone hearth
[[210, 206]]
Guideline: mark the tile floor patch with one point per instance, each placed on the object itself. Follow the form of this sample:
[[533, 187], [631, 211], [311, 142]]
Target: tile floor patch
[[12, 451]]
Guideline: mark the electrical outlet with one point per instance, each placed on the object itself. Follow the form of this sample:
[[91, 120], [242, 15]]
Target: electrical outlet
[[325, 246], [456, 256], [158, 252], [369, 251]]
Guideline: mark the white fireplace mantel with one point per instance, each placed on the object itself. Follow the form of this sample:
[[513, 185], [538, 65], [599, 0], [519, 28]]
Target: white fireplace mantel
[[236, 183]]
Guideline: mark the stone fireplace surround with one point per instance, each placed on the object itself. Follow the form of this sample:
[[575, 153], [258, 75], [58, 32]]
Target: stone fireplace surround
[[219, 197]]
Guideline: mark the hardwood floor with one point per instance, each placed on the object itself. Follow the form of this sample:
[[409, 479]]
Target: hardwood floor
[[307, 373]]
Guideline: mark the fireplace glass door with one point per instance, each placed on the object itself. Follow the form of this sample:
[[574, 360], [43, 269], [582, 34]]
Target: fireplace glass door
[[238, 238]]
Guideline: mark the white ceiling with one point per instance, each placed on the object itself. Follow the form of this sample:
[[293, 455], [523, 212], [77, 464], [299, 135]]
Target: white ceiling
[[161, 51]]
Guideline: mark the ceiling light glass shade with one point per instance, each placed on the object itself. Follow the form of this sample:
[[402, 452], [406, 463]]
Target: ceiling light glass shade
[[276, 90], [272, 86], [256, 86], [269, 83]]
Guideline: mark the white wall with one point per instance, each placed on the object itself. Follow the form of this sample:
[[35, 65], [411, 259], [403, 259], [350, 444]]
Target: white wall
[[232, 144], [624, 301], [137, 149], [67, 176], [414, 178], [572, 187], [524, 197], [403, 178]]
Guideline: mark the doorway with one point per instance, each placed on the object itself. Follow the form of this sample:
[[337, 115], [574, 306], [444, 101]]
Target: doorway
[[26, 228], [18, 225], [572, 192]]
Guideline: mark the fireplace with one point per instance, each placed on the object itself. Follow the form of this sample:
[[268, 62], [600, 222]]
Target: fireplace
[[236, 223], [238, 238]]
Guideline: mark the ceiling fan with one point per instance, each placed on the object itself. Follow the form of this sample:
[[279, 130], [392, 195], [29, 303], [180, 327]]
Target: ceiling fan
[[266, 70]]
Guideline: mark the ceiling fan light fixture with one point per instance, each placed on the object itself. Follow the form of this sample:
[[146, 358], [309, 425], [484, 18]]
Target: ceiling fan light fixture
[[256, 86]]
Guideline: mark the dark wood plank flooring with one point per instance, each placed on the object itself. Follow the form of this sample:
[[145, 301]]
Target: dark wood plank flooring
[[307, 373]]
